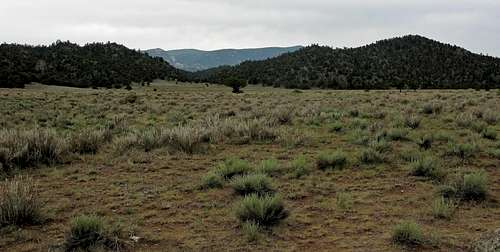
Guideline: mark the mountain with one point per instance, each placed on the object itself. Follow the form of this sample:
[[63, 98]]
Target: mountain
[[68, 64], [196, 60], [411, 61]]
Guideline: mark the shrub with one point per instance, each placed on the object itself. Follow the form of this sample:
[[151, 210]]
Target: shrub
[[463, 151], [331, 160], [425, 141], [268, 167], [251, 230], [432, 108], [344, 201], [24, 149], [212, 180], [407, 233], [89, 141], [489, 133], [468, 187], [336, 127], [410, 155], [412, 121], [252, 184], [397, 134], [465, 120], [427, 167], [490, 117], [232, 167], [19, 203], [442, 208], [299, 167], [371, 156], [474, 186], [265, 210], [90, 233], [359, 137], [380, 145], [186, 139]]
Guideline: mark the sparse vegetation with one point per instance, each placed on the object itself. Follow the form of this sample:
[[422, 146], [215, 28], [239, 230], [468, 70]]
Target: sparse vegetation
[[232, 167], [252, 184], [265, 210], [443, 208], [427, 167], [89, 232], [20, 203], [407, 233], [331, 160]]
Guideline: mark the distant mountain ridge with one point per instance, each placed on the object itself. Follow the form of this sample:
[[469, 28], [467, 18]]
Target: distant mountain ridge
[[410, 61], [196, 60]]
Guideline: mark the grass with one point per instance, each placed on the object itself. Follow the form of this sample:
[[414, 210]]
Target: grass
[[20, 203], [443, 208], [407, 233], [252, 184], [148, 176], [264, 211], [427, 167], [331, 160], [90, 233], [468, 187], [233, 167]]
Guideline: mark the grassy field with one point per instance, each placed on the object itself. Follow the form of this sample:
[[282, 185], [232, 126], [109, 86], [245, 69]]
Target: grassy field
[[164, 168]]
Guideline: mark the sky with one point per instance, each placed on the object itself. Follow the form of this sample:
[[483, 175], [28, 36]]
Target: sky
[[216, 24]]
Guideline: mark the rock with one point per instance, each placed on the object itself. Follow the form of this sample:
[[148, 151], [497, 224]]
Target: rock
[[488, 242]]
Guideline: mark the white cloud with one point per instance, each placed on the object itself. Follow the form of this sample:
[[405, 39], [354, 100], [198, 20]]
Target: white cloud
[[212, 24]]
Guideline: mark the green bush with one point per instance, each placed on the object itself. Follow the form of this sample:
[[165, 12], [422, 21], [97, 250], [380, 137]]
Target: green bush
[[427, 167], [344, 201], [489, 133], [251, 230], [331, 160], [19, 203], [432, 108], [23, 149], [252, 184], [359, 137], [90, 233], [265, 210], [463, 151], [371, 156], [336, 127], [232, 167], [269, 167], [299, 167], [468, 187], [381, 145], [407, 233], [397, 134], [425, 141], [442, 208], [212, 180]]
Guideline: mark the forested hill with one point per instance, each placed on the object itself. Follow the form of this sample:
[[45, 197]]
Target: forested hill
[[68, 64], [411, 61]]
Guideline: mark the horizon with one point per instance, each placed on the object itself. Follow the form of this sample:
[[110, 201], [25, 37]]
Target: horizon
[[220, 24]]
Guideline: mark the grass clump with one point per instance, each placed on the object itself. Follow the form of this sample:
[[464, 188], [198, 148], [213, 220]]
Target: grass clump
[[23, 149], [425, 141], [467, 187], [443, 208], [489, 133], [344, 201], [299, 167], [264, 211], [427, 167], [252, 184], [268, 167], [331, 160], [251, 230], [432, 108], [412, 121], [19, 203], [232, 167], [397, 134], [371, 156], [90, 233], [336, 127], [463, 150], [89, 141], [407, 233], [212, 180]]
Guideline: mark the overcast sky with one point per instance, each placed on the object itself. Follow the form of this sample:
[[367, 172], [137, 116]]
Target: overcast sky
[[214, 24]]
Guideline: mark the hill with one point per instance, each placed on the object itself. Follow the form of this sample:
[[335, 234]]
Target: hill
[[68, 64], [196, 60], [410, 61]]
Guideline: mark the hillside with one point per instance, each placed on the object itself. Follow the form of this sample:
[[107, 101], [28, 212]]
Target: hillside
[[411, 61], [92, 65], [196, 60]]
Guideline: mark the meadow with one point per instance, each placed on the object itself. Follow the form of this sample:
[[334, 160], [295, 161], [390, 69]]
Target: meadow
[[189, 167]]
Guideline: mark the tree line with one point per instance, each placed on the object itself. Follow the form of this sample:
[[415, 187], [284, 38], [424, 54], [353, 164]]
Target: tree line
[[92, 65], [406, 62]]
